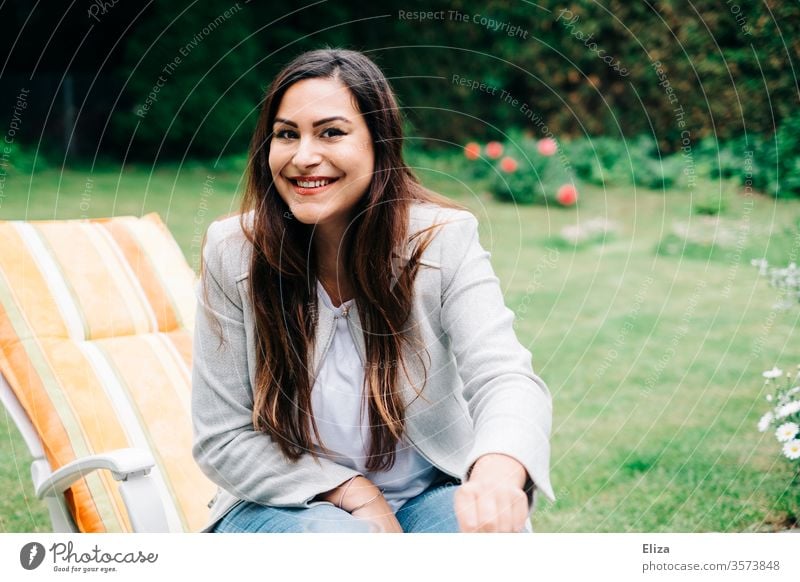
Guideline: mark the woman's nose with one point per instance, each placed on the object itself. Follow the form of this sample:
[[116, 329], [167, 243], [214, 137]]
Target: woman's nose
[[306, 154]]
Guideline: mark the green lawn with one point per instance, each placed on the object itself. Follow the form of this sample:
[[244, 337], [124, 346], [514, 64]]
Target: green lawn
[[654, 361]]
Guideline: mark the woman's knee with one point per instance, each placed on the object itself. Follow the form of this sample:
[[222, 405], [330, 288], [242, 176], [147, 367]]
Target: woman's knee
[[251, 517], [431, 511]]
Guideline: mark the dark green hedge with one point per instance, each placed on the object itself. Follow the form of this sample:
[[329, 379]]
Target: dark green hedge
[[574, 68]]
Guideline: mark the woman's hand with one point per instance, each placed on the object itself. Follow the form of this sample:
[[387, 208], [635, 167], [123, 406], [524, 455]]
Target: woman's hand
[[493, 499]]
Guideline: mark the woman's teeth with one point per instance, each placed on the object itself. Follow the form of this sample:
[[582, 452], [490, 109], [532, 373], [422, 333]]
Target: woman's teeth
[[314, 184]]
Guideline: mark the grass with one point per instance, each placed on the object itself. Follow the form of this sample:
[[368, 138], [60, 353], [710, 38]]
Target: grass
[[654, 360]]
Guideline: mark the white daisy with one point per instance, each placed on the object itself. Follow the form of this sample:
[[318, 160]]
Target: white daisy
[[786, 432], [792, 449], [788, 409], [775, 372], [769, 397], [763, 424]]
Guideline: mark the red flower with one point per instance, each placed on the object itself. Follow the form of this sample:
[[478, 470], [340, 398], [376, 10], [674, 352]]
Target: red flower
[[472, 150], [508, 164], [567, 195], [494, 149], [547, 146]]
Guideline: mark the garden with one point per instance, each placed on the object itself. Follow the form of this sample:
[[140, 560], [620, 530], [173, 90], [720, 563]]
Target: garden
[[659, 305], [634, 168]]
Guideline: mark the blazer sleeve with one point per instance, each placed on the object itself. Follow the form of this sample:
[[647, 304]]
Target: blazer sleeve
[[241, 460], [510, 405]]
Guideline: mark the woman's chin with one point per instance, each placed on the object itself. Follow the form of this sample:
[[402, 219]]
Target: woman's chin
[[308, 216]]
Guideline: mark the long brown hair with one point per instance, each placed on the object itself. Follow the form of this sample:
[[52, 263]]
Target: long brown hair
[[283, 270]]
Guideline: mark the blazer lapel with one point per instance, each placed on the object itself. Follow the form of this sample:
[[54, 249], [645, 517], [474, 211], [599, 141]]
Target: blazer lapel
[[322, 337]]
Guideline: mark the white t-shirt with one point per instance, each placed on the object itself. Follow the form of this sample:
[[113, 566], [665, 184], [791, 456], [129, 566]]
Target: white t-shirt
[[339, 408]]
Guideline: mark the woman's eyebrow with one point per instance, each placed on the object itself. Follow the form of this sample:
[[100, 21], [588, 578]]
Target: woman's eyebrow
[[329, 119], [286, 121], [316, 123]]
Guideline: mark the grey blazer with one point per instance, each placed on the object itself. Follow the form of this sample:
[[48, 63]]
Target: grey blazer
[[482, 394]]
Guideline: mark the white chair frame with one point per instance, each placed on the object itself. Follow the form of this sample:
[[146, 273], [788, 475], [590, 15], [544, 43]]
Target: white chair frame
[[131, 467]]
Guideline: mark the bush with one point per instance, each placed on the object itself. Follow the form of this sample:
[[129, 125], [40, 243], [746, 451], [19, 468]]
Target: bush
[[236, 163], [776, 161], [765, 163], [592, 159], [526, 170], [655, 174], [608, 161], [529, 171], [719, 160], [23, 160]]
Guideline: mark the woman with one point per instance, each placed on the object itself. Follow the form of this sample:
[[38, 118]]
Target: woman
[[355, 367]]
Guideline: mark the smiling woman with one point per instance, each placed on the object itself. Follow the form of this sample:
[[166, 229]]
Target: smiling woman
[[322, 160], [341, 380]]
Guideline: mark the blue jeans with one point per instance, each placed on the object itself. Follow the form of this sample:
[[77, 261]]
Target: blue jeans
[[430, 511]]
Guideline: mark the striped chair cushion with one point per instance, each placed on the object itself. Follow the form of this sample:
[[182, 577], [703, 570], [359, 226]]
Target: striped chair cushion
[[96, 320]]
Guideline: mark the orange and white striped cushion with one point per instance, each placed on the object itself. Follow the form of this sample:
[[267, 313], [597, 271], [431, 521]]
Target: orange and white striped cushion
[[96, 320]]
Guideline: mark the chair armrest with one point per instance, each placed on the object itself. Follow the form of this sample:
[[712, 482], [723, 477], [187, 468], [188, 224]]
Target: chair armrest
[[131, 467], [123, 463]]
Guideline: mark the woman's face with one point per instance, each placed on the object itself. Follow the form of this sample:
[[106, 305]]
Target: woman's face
[[321, 154]]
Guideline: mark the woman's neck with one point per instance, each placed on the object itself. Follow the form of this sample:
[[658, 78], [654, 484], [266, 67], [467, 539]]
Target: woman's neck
[[339, 293], [332, 270]]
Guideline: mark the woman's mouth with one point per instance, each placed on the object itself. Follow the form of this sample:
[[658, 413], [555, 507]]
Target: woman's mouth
[[310, 185]]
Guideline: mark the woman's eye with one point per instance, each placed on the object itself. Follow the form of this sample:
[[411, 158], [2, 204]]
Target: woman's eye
[[332, 132], [285, 134]]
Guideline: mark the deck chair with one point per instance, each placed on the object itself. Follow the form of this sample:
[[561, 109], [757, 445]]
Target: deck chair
[[96, 320]]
